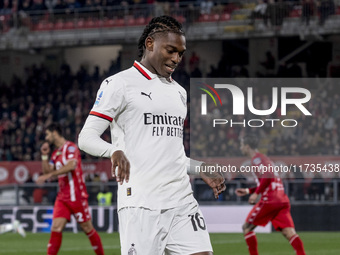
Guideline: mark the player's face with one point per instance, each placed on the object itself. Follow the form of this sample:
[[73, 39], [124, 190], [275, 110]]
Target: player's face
[[49, 137], [165, 52]]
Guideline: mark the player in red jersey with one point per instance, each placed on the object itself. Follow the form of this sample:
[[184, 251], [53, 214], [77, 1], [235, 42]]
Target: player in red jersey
[[72, 197], [274, 204]]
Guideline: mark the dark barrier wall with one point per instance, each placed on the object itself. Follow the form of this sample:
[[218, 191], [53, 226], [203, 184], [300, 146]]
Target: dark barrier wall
[[316, 217], [39, 218]]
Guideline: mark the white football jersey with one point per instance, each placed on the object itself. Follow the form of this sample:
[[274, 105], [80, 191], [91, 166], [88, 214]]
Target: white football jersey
[[147, 115]]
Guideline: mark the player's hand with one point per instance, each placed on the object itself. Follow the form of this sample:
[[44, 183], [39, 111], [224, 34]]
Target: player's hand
[[45, 148], [118, 159], [42, 178], [252, 199], [215, 180], [240, 192]]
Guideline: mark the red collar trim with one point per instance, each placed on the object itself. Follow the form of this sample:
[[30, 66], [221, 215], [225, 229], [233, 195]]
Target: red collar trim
[[141, 70]]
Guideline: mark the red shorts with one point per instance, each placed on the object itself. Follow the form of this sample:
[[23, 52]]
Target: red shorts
[[277, 213], [64, 209]]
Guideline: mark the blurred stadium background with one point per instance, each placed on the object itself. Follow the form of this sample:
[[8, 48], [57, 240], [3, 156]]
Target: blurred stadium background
[[55, 53]]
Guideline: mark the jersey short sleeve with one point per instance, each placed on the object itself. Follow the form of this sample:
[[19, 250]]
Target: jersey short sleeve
[[110, 99], [52, 160], [72, 152]]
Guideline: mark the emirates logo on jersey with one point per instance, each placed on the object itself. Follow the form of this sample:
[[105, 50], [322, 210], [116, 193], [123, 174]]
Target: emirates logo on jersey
[[164, 124]]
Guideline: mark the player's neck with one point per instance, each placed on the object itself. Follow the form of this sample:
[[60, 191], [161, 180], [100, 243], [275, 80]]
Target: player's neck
[[252, 153], [60, 142], [148, 66], [144, 62]]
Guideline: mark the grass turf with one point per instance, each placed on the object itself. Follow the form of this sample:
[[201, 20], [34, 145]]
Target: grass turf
[[316, 243]]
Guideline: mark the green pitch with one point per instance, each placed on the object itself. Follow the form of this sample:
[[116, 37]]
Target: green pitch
[[316, 243]]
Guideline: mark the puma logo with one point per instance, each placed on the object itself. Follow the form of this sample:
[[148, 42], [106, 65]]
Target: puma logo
[[107, 81], [144, 94]]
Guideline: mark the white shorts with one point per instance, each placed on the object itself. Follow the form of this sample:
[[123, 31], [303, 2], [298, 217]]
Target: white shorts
[[180, 230]]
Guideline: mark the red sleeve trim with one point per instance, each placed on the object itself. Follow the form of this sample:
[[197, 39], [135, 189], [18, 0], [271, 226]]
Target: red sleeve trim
[[140, 69], [103, 116]]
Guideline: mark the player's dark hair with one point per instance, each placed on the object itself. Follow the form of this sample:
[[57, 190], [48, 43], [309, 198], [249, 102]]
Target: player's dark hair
[[251, 140], [55, 127], [161, 24]]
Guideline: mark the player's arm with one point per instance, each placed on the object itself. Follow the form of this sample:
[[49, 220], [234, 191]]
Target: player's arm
[[90, 139], [91, 142], [264, 183], [45, 151], [70, 166], [111, 101], [215, 180]]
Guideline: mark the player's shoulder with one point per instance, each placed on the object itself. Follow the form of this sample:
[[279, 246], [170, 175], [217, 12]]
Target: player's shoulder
[[71, 147], [119, 79], [258, 159]]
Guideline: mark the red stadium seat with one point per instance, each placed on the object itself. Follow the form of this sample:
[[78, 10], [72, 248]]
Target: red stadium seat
[[337, 11], [225, 16], [89, 23], [109, 23], [43, 26], [204, 18], [140, 21], [59, 25], [131, 21], [214, 17], [69, 25], [119, 22], [181, 19], [80, 23], [296, 12]]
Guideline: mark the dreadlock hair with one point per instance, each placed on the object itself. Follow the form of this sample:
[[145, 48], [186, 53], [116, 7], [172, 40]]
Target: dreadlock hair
[[251, 140], [161, 24]]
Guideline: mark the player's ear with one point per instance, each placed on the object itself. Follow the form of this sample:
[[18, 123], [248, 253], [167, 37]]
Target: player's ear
[[149, 41]]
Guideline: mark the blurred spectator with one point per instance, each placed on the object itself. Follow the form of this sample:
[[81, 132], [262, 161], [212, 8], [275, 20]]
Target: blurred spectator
[[104, 197], [6, 8], [316, 189], [206, 6], [71, 6], [260, 11], [37, 5], [194, 61], [307, 11], [59, 5], [277, 11], [326, 8]]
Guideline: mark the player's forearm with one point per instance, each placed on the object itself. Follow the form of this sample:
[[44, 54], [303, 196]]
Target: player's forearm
[[46, 168], [70, 166], [90, 141], [193, 166]]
